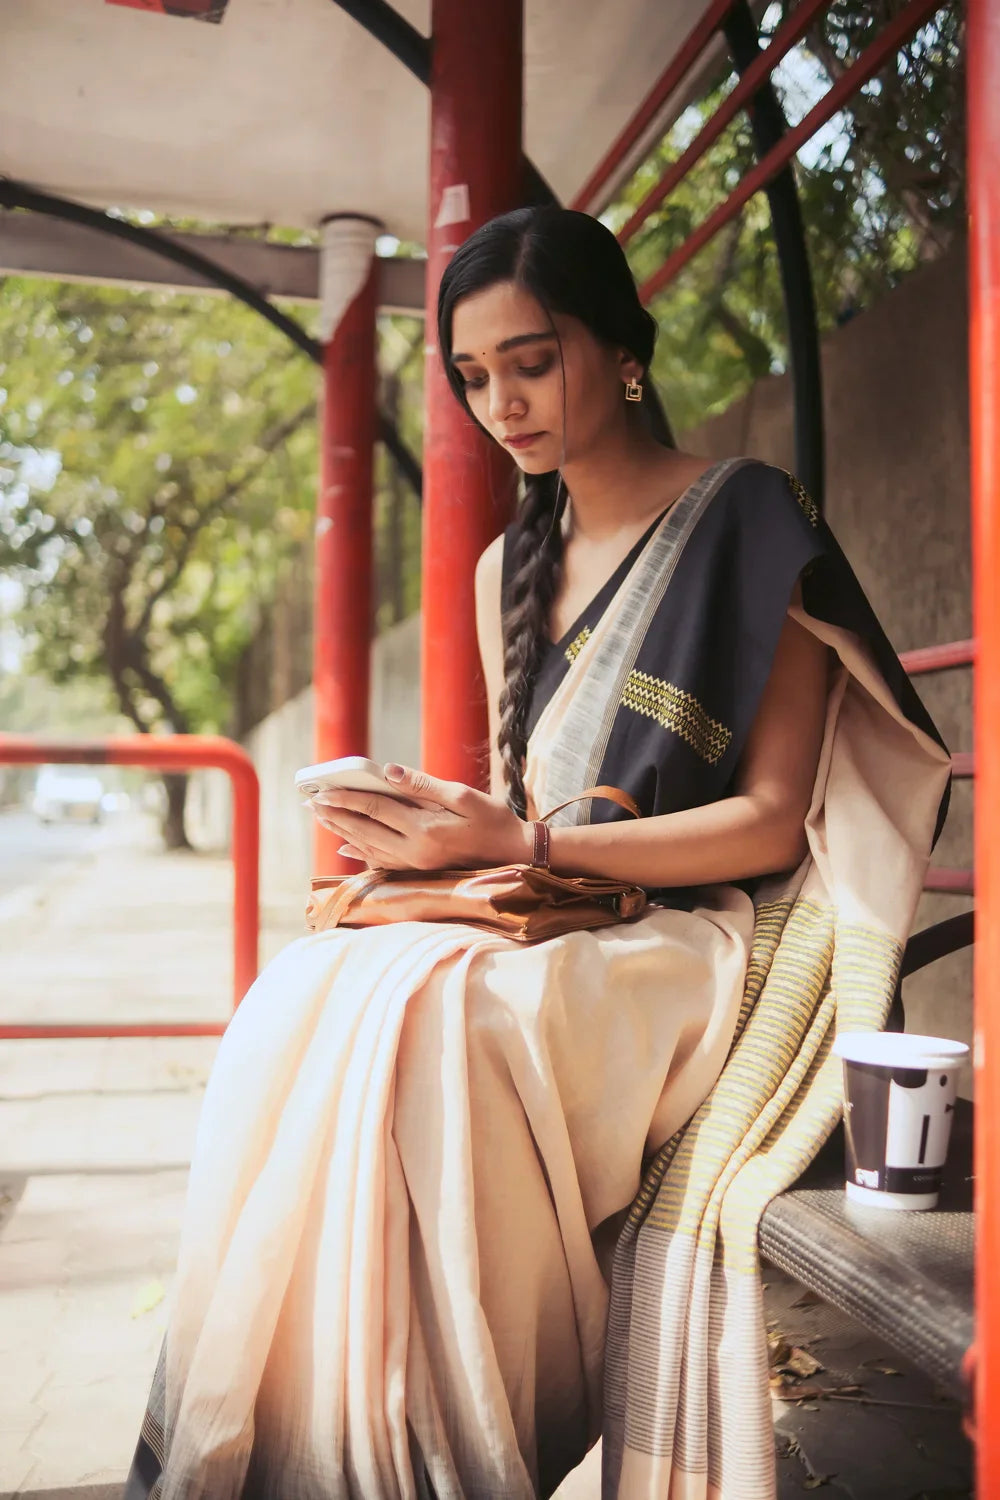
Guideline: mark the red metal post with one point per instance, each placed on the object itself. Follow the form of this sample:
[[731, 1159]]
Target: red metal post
[[175, 752], [343, 590], [982, 60], [475, 173]]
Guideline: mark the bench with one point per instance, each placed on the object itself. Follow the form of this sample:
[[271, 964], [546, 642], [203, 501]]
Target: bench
[[908, 1277]]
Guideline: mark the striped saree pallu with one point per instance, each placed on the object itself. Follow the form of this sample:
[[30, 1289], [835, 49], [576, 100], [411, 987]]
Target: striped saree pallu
[[687, 1407]]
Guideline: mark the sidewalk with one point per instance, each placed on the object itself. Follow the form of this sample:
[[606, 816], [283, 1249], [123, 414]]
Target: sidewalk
[[95, 1141]]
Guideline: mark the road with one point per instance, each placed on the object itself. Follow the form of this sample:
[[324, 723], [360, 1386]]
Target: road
[[31, 852]]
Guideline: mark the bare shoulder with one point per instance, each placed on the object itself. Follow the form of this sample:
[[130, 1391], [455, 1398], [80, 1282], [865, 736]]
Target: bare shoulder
[[489, 568]]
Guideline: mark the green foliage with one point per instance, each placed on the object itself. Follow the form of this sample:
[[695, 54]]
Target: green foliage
[[159, 459], [880, 188]]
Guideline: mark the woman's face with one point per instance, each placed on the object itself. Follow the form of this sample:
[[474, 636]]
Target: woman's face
[[506, 349]]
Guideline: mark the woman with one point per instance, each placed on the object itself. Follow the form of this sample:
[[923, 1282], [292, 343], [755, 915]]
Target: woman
[[420, 1144]]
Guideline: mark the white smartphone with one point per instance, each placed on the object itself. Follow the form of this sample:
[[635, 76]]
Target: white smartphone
[[352, 773]]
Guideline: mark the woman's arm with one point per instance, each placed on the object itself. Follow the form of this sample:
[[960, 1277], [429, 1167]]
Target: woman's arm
[[489, 571], [758, 830]]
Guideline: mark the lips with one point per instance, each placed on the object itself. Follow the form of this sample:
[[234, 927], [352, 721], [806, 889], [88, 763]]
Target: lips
[[523, 440]]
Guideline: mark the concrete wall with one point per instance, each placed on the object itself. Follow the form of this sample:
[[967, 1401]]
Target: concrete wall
[[896, 409]]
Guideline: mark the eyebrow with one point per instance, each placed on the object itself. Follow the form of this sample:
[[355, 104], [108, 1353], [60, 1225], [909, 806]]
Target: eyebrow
[[513, 343]]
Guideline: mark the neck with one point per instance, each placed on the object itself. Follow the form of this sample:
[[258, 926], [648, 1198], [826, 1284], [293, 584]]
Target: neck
[[610, 486]]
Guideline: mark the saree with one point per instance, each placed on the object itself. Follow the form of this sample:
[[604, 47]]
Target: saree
[[458, 1207]]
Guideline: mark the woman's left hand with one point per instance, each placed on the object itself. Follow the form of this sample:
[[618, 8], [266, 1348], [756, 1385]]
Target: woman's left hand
[[448, 826]]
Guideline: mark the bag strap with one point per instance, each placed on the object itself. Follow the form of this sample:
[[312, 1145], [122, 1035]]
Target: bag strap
[[351, 889], [606, 793]]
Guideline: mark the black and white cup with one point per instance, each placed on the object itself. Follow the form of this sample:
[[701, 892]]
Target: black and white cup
[[899, 1102]]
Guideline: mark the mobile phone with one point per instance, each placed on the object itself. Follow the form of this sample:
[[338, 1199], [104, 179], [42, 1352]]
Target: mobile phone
[[352, 773]]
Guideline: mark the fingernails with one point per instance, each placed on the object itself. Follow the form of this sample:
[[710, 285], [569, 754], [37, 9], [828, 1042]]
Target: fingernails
[[349, 853], [394, 772]]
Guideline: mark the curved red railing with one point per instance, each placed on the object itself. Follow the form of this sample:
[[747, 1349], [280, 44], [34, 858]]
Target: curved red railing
[[175, 752]]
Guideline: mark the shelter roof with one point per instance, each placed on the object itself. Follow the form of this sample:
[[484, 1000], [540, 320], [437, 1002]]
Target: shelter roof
[[288, 110]]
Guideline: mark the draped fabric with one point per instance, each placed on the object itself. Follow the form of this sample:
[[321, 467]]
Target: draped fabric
[[419, 1144]]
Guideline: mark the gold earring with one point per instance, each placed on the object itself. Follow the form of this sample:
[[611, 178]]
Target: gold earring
[[633, 391]]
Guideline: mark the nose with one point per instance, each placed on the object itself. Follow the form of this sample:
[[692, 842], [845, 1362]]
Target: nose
[[505, 401]]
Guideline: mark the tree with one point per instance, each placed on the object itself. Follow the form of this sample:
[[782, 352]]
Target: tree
[[880, 188], [158, 460]]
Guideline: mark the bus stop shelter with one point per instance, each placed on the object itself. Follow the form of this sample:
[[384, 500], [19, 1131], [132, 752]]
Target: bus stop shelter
[[353, 119]]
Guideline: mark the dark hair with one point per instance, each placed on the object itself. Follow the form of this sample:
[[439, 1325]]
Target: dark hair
[[571, 264]]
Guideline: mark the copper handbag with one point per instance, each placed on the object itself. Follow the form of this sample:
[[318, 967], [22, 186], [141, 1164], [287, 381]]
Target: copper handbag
[[522, 902]]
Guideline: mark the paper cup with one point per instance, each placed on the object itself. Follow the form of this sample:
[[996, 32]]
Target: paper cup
[[899, 1101]]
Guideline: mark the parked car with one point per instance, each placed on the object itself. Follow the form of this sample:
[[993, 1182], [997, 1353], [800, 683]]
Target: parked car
[[67, 796]]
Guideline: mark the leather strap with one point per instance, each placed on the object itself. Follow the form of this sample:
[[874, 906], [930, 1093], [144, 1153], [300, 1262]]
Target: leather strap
[[540, 850], [606, 793], [351, 889]]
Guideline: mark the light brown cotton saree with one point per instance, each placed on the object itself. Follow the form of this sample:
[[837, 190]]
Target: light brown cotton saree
[[388, 1284]]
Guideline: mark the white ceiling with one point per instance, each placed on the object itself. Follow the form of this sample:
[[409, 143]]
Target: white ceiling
[[289, 111]]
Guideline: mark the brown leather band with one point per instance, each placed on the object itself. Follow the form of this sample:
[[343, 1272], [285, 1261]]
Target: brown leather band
[[606, 793], [351, 889], [540, 851]]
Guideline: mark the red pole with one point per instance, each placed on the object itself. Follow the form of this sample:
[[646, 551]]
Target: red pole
[[475, 173], [982, 59], [343, 596]]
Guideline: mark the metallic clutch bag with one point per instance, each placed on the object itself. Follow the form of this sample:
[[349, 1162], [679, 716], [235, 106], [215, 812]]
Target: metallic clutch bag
[[523, 902]]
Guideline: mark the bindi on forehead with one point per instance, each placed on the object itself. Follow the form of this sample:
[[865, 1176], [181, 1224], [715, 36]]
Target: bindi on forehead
[[542, 336]]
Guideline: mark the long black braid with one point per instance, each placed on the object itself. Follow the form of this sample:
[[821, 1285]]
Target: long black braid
[[571, 264]]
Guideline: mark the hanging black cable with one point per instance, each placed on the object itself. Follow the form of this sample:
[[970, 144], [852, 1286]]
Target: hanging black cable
[[767, 120]]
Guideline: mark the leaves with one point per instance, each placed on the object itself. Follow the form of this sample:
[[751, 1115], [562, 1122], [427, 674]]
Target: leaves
[[880, 188], [157, 471]]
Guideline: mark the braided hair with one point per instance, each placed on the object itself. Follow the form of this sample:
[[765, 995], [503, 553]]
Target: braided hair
[[571, 264]]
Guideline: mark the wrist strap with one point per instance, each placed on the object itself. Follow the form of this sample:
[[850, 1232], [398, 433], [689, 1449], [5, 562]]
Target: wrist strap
[[540, 850]]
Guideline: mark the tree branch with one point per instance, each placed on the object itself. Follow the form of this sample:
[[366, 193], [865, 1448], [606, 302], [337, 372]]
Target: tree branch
[[272, 440]]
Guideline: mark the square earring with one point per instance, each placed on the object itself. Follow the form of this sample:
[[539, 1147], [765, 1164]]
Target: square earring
[[633, 391]]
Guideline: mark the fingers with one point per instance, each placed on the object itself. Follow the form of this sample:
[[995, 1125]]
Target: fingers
[[385, 810], [424, 789], [362, 833]]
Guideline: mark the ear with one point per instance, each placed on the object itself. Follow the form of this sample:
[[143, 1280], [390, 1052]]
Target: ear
[[629, 367]]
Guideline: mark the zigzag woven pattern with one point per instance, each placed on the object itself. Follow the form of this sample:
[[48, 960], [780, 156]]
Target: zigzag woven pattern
[[678, 711]]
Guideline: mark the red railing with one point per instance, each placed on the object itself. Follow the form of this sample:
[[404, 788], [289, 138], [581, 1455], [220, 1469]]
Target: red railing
[[602, 180], [177, 752], [898, 31]]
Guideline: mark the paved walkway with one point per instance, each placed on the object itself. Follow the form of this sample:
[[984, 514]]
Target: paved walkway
[[95, 1141]]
